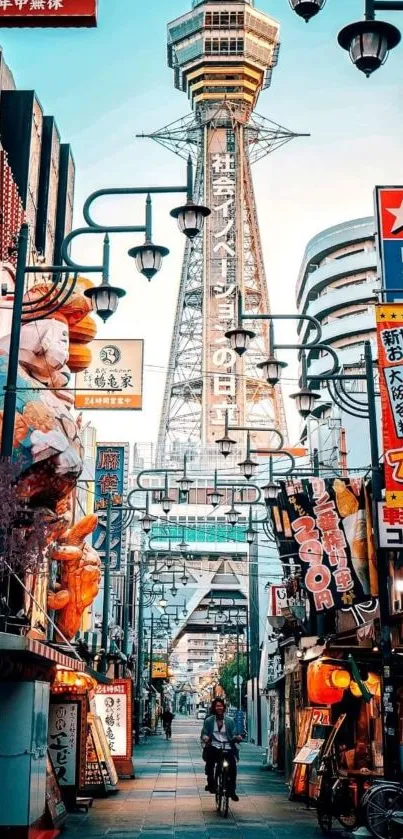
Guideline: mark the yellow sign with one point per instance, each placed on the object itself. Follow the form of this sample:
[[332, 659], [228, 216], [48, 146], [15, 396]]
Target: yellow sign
[[160, 670], [114, 379]]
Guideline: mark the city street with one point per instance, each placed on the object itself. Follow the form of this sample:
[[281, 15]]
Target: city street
[[167, 799]]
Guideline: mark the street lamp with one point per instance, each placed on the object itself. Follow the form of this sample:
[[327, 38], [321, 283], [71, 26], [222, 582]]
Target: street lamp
[[184, 578], [305, 400], [190, 216], [232, 515], [307, 9], [271, 490], [248, 466], [214, 495], [184, 482], [225, 444], [104, 298], [240, 338], [272, 369], [165, 501], [163, 603], [147, 520], [368, 43], [251, 532]]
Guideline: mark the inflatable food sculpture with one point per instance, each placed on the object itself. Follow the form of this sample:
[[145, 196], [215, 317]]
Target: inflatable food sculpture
[[80, 576]]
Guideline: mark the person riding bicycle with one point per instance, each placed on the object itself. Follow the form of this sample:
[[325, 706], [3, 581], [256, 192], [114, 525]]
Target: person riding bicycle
[[218, 734]]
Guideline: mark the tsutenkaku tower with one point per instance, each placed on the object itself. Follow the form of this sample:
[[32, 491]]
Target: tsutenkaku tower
[[222, 54]]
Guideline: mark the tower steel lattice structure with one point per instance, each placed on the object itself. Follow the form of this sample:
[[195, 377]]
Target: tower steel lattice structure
[[222, 54]]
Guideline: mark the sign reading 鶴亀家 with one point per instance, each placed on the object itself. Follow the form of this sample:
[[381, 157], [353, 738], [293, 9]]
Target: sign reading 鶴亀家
[[113, 704], [52, 13], [389, 323], [389, 217], [114, 379], [325, 524], [111, 478]]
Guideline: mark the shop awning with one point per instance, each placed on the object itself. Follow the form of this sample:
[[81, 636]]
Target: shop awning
[[18, 646]]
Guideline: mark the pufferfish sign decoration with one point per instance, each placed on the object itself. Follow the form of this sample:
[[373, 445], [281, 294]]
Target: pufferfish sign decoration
[[47, 447]]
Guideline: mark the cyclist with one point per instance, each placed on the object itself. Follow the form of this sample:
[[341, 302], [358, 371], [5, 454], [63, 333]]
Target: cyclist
[[218, 733]]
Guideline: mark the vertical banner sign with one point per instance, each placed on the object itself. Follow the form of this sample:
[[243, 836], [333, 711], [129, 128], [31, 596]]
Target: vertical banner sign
[[389, 217], [111, 478], [52, 13], [389, 326], [324, 522], [62, 740], [113, 704], [221, 359]]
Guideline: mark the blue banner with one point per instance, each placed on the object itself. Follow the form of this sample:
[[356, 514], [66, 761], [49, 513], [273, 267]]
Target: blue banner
[[111, 469]]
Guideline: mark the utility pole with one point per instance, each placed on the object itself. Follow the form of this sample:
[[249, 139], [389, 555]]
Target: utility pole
[[238, 683], [107, 587], [140, 641], [150, 677]]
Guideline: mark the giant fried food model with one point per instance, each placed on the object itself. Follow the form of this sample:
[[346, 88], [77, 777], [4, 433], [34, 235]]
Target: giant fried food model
[[80, 576]]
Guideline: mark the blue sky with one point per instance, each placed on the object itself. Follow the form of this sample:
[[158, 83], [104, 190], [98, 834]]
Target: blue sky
[[105, 85]]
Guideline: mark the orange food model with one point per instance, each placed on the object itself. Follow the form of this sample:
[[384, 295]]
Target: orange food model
[[326, 682], [80, 576]]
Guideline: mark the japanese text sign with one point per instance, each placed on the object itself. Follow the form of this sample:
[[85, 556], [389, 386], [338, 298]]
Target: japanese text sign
[[114, 379], [325, 523], [389, 323], [53, 13], [111, 477], [62, 740], [389, 216], [113, 704]]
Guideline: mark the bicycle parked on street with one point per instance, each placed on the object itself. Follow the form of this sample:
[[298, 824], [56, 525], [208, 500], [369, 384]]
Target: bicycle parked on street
[[335, 799], [382, 809]]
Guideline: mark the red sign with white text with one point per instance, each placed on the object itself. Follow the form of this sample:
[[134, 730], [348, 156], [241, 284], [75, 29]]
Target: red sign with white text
[[389, 323], [56, 13]]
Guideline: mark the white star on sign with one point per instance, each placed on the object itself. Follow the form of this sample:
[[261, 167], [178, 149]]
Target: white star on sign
[[397, 212]]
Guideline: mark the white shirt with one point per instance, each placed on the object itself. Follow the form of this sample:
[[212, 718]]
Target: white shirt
[[219, 738]]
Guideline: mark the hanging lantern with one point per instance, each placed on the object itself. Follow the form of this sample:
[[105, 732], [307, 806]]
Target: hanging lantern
[[326, 682]]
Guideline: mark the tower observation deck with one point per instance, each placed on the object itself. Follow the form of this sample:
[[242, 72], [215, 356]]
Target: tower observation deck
[[222, 54]]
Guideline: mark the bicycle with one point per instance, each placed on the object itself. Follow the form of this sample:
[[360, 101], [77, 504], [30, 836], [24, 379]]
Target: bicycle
[[335, 799], [382, 809], [221, 780]]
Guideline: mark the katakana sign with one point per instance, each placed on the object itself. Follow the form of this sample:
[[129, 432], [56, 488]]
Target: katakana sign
[[114, 379], [389, 323], [389, 216], [52, 13], [111, 476], [324, 523]]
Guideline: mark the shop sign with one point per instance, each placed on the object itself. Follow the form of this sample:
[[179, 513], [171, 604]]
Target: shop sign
[[62, 740], [113, 706], [389, 327], [114, 379], [159, 670], [389, 217], [325, 523], [274, 668], [48, 13], [111, 480], [277, 601], [390, 527]]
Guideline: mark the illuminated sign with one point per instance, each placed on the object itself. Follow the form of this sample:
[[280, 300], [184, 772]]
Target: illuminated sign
[[111, 477], [52, 13], [114, 379], [389, 216], [113, 704], [389, 327]]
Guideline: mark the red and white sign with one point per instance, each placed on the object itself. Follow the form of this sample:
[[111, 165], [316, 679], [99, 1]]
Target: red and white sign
[[390, 212], [389, 322], [56, 13], [278, 601]]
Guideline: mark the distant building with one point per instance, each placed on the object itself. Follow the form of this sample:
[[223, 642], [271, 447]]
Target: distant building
[[337, 285]]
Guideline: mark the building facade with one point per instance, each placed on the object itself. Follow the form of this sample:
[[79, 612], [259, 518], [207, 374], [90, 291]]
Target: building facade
[[337, 285]]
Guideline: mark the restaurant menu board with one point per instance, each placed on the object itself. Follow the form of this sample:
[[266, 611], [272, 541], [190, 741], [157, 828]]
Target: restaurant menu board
[[102, 750], [55, 808], [308, 719], [309, 752], [62, 741], [95, 777], [113, 705]]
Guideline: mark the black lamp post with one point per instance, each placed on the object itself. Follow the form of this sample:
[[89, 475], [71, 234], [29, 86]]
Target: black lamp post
[[367, 41]]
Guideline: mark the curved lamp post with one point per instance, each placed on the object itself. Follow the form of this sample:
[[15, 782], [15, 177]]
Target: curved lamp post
[[367, 41]]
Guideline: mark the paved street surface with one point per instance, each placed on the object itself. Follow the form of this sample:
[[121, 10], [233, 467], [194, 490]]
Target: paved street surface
[[167, 800]]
